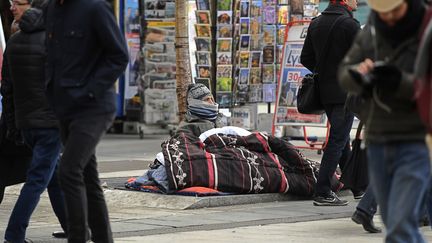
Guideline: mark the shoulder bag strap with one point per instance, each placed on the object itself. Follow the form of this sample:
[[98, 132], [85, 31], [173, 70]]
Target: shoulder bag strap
[[325, 48]]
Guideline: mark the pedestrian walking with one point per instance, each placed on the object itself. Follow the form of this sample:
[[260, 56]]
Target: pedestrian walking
[[332, 96], [23, 88], [380, 65], [86, 54]]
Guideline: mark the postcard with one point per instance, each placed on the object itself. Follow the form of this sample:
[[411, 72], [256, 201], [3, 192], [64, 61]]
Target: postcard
[[203, 58], [203, 71], [269, 34], [244, 26], [255, 59], [224, 58], [224, 5], [243, 76], [203, 30], [224, 99], [297, 7], [280, 34], [244, 42], [224, 71], [255, 9], [244, 59], [203, 44], [255, 93], [203, 4], [224, 45], [269, 15], [224, 31], [269, 93], [268, 54], [203, 17], [223, 84], [255, 76], [224, 17], [256, 43], [255, 26], [268, 73], [283, 15], [244, 9]]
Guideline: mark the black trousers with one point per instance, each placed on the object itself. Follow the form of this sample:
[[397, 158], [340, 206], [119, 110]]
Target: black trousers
[[338, 149], [79, 179]]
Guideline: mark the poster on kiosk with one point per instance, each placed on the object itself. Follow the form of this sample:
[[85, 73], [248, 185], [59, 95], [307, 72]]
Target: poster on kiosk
[[290, 78]]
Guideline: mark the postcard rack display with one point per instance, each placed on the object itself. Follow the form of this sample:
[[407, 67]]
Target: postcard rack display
[[158, 82]]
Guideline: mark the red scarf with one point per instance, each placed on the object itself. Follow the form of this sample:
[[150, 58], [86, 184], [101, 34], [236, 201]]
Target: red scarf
[[341, 3]]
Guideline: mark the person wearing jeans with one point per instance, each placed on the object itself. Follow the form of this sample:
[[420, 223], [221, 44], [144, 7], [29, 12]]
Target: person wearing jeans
[[365, 211], [380, 67]]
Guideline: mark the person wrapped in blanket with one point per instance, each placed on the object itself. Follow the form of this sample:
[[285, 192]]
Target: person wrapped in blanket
[[224, 160]]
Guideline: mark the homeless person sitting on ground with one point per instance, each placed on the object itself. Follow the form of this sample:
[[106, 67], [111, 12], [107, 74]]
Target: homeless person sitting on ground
[[227, 159]]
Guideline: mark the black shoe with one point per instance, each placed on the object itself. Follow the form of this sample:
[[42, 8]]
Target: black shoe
[[59, 234], [330, 200], [358, 194], [366, 221]]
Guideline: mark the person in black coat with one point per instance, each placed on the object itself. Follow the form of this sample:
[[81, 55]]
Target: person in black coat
[[332, 96], [26, 104], [86, 54]]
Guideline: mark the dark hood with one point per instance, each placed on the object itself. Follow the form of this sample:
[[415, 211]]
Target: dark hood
[[32, 21]]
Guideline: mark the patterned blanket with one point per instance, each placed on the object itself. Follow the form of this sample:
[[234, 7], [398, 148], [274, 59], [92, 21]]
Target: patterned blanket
[[257, 163]]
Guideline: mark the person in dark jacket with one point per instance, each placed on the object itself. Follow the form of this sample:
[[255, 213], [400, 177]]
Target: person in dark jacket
[[332, 96], [380, 67], [86, 54], [23, 88]]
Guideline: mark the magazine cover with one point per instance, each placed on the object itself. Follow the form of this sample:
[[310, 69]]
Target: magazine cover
[[203, 44], [244, 76], [203, 30], [223, 99], [203, 4], [224, 45], [224, 71], [242, 93], [268, 54], [203, 58], [255, 9], [224, 17], [224, 31], [244, 42], [269, 14], [255, 76], [269, 92], [164, 84], [157, 34], [224, 58], [268, 71], [223, 84], [283, 14], [203, 71], [170, 10], [297, 7], [255, 59], [205, 81], [242, 117], [203, 17], [255, 26], [256, 43], [244, 9], [224, 5], [244, 26], [269, 34], [255, 92], [244, 59]]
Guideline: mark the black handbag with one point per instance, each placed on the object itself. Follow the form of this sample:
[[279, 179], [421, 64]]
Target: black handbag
[[308, 97], [355, 172]]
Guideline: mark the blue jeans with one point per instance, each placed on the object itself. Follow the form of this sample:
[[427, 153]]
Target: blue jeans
[[46, 147], [399, 175], [368, 203], [341, 122]]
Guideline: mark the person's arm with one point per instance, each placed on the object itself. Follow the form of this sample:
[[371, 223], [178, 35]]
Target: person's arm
[[307, 57], [6, 90], [114, 51]]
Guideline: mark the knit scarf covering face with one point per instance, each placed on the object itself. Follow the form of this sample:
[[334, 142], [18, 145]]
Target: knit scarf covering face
[[198, 109], [405, 28]]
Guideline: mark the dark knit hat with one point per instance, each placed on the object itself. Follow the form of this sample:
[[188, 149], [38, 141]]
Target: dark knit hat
[[198, 91]]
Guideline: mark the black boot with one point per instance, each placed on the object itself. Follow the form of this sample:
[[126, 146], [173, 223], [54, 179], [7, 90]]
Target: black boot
[[367, 221]]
